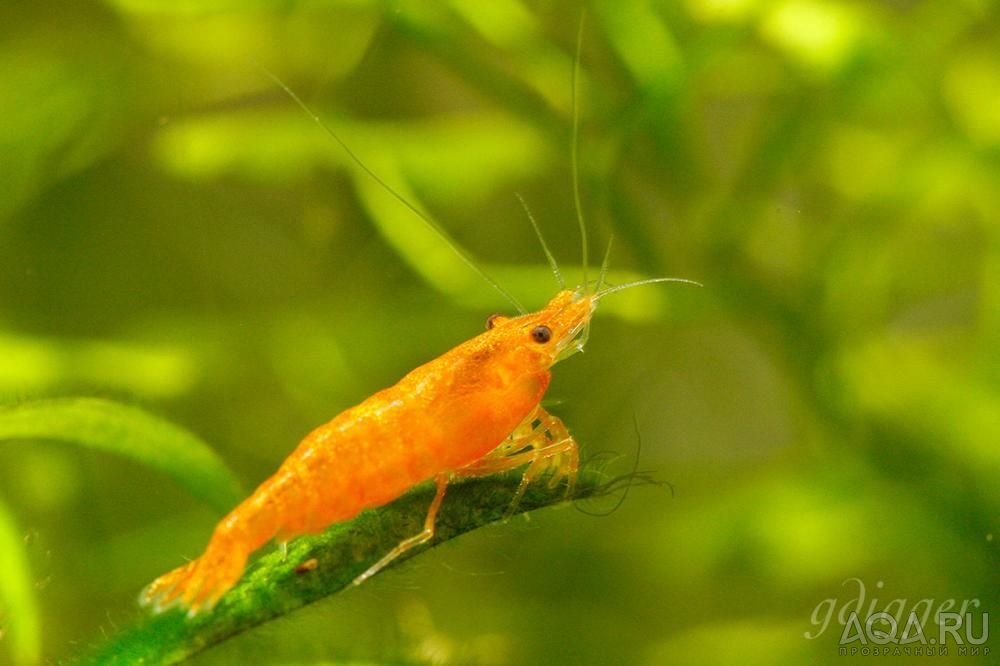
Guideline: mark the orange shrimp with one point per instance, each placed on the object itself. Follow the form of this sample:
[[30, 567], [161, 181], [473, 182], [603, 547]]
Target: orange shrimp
[[473, 411], [441, 421]]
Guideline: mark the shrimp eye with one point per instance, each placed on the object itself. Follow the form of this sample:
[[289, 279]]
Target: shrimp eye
[[492, 320], [541, 334]]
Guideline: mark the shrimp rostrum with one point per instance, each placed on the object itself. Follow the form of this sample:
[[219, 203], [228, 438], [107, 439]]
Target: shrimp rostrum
[[473, 411]]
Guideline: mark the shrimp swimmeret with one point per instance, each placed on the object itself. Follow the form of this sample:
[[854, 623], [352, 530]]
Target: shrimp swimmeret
[[473, 411]]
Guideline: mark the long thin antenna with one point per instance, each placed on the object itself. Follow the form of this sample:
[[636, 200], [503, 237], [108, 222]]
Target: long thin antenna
[[597, 287], [416, 211], [576, 145], [628, 285], [545, 247], [604, 264]]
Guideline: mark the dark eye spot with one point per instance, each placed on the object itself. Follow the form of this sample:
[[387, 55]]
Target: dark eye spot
[[491, 321], [541, 334]]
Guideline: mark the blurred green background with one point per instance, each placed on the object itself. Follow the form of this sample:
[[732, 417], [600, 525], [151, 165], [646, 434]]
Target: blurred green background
[[175, 233]]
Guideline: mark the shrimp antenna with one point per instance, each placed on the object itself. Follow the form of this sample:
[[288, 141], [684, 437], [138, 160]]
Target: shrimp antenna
[[575, 149], [585, 336], [399, 197], [545, 247], [628, 285], [604, 264]]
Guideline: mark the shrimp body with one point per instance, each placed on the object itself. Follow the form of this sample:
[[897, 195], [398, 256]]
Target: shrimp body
[[472, 411]]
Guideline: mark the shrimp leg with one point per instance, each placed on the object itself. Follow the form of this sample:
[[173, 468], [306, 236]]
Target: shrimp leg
[[543, 443], [423, 537]]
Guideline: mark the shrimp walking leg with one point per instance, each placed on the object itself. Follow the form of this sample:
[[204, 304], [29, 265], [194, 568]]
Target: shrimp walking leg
[[541, 442], [423, 537]]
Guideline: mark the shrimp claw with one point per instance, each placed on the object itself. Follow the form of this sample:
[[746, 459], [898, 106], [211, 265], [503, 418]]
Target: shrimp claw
[[541, 442]]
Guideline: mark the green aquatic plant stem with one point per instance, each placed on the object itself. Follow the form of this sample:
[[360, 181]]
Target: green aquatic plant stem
[[273, 587]]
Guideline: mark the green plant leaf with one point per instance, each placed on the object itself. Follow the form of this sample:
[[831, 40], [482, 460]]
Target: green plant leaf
[[18, 610], [273, 587], [131, 432]]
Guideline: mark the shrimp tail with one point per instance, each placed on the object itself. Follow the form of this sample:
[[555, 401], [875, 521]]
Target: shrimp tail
[[200, 583]]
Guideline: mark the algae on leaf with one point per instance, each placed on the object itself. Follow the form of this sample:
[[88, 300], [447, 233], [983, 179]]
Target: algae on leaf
[[275, 585]]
